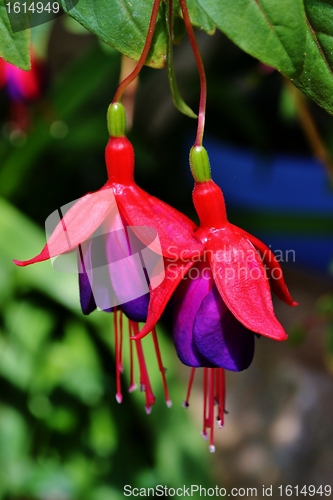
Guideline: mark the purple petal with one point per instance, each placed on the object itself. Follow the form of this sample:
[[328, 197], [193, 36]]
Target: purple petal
[[220, 337], [127, 273], [188, 299], [110, 276], [136, 309], [87, 300]]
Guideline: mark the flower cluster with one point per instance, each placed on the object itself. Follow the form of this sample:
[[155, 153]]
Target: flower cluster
[[135, 253], [217, 310]]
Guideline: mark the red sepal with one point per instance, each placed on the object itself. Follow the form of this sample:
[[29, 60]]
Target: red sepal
[[241, 280], [273, 269], [78, 224]]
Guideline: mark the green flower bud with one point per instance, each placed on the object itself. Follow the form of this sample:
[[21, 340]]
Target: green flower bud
[[199, 163], [116, 118]]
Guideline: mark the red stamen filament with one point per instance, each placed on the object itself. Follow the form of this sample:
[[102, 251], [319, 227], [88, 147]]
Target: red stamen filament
[[145, 384], [220, 375], [211, 418], [144, 377], [213, 394], [201, 70], [144, 53], [205, 419], [186, 403], [121, 366], [119, 396], [132, 385], [161, 368]]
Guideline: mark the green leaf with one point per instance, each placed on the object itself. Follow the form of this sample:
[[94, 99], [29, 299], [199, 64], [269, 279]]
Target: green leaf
[[14, 47], [293, 36], [123, 25], [273, 31], [316, 78]]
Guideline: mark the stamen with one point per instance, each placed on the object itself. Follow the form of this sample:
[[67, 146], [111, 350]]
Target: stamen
[[211, 408], [121, 366], [162, 369], [119, 396], [132, 385], [221, 399], [205, 415], [144, 377], [186, 403]]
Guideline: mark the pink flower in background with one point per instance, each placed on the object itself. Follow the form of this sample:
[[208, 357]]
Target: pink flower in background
[[23, 88]]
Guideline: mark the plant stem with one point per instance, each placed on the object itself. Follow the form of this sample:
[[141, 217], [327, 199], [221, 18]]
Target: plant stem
[[144, 53], [202, 75]]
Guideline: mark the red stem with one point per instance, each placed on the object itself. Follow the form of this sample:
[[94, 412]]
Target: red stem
[[201, 70], [143, 56]]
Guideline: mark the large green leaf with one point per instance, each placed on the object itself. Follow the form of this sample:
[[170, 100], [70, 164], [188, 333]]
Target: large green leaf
[[14, 47], [316, 78], [123, 25], [274, 31], [293, 36]]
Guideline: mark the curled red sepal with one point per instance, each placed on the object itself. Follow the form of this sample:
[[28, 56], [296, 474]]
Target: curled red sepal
[[77, 225], [241, 280], [159, 296], [273, 268]]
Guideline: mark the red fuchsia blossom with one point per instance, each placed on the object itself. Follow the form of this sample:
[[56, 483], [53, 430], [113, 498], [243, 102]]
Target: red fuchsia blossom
[[137, 208], [233, 257], [222, 296], [119, 201]]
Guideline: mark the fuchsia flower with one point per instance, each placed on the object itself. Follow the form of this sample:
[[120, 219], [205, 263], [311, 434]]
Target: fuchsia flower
[[120, 203], [237, 264], [137, 208], [233, 266], [222, 296]]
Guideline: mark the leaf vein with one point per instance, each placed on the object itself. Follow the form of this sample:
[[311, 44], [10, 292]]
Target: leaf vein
[[322, 53]]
